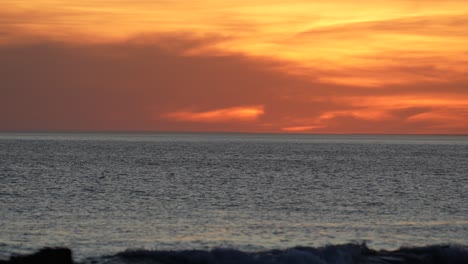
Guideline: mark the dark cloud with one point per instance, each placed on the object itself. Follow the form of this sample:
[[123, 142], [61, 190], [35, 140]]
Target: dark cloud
[[136, 84], [124, 86]]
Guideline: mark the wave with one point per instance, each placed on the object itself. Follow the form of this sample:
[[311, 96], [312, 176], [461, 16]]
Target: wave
[[332, 254]]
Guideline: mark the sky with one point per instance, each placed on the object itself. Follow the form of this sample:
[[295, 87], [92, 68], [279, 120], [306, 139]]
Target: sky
[[335, 66]]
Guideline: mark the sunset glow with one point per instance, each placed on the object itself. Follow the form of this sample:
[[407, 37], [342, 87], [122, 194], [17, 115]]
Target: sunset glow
[[243, 66], [219, 115]]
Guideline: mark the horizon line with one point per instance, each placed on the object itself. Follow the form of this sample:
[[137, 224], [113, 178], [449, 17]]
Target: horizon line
[[213, 132]]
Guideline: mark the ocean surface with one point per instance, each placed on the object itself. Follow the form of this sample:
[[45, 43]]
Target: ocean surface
[[101, 194]]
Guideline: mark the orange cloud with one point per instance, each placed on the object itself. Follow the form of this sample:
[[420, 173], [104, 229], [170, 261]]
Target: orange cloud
[[301, 128], [442, 119], [241, 113], [386, 67], [366, 114], [380, 43], [392, 102], [125, 86]]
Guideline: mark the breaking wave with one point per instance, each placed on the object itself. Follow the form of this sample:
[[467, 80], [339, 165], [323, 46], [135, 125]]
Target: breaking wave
[[334, 254]]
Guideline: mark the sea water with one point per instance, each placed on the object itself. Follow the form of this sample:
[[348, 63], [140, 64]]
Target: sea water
[[100, 194]]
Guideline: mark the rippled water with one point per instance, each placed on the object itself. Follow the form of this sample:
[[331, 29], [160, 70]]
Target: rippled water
[[103, 193]]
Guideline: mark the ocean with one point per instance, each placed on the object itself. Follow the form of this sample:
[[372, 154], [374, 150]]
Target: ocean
[[104, 193]]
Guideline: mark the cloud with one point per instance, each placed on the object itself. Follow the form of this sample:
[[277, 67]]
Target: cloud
[[301, 128], [153, 84], [240, 113], [392, 51], [434, 25], [365, 114], [123, 86], [377, 45]]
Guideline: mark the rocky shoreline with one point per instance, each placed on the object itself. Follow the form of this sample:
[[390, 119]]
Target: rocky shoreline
[[339, 254]]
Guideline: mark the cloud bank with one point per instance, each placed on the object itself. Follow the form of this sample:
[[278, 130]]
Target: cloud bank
[[246, 66], [146, 86]]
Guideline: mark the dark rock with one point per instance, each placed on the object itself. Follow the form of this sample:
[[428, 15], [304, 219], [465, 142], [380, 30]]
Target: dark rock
[[44, 256]]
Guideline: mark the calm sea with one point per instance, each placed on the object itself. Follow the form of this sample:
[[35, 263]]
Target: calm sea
[[103, 193]]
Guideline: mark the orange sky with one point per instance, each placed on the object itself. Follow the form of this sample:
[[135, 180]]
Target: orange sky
[[240, 66]]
